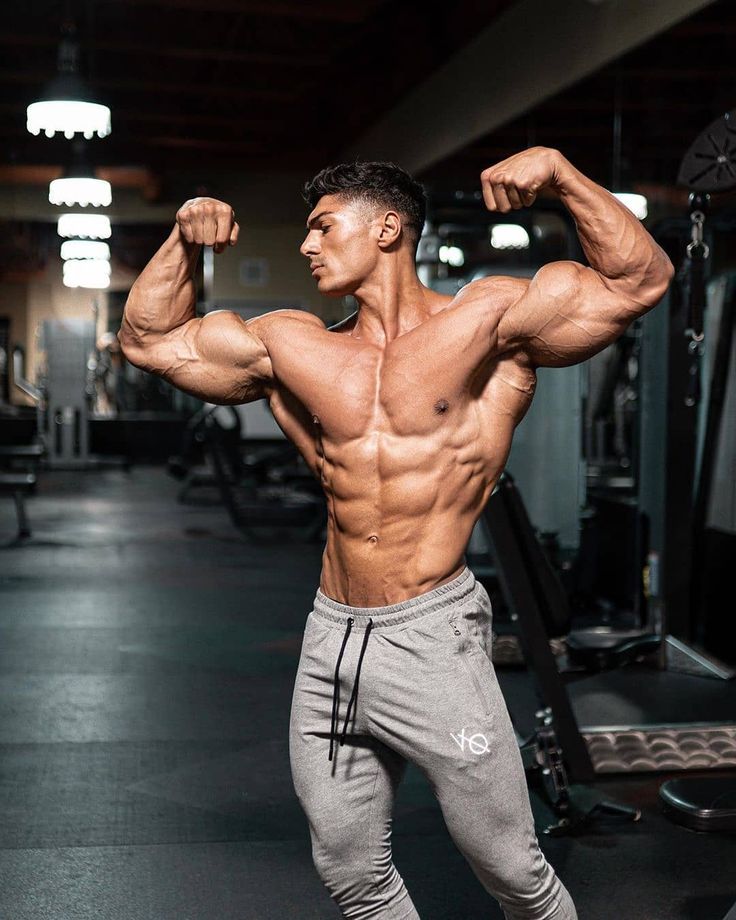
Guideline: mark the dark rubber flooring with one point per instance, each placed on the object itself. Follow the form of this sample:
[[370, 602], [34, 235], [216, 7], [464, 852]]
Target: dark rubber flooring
[[147, 656]]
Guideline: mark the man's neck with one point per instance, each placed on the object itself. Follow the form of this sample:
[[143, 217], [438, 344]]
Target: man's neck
[[391, 302]]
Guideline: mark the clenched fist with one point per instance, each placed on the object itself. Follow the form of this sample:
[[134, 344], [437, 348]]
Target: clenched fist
[[513, 183], [209, 222]]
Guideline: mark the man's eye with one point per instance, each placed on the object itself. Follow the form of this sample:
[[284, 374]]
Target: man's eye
[[324, 229]]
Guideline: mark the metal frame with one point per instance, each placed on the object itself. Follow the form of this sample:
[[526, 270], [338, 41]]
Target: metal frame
[[668, 438], [521, 566]]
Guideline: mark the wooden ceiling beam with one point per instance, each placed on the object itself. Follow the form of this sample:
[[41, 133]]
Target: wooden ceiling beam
[[134, 177], [600, 130], [494, 154], [190, 119], [146, 49], [39, 79], [605, 107], [324, 10], [229, 147], [26, 174], [132, 142]]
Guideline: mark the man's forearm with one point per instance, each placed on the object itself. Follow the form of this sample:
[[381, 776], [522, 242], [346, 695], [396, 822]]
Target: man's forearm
[[163, 296], [615, 243]]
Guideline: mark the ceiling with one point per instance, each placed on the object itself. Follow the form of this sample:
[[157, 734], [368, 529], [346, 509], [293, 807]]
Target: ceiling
[[669, 89], [233, 83], [283, 83]]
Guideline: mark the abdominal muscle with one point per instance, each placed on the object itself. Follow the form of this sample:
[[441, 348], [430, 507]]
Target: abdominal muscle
[[394, 533], [367, 574]]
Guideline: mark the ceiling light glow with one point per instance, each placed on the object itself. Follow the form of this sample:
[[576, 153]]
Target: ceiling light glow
[[90, 226], [509, 236], [68, 117], [452, 255], [80, 190], [637, 204], [84, 249], [87, 273]]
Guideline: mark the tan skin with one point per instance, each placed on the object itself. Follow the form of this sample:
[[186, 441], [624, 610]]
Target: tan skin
[[405, 411]]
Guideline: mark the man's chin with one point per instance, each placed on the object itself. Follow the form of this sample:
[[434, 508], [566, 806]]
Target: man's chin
[[333, 290]]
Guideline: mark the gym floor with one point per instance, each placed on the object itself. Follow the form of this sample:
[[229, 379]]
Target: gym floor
[[147, 657]]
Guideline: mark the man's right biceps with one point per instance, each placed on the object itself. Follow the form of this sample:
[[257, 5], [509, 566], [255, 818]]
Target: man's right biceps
[[238, 351]]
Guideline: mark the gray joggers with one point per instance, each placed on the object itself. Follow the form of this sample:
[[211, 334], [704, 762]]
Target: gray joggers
[[428, 694]]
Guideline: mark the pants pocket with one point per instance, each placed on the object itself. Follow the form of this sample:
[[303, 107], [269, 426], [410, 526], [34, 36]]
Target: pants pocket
[[472, 654], [478, 618]]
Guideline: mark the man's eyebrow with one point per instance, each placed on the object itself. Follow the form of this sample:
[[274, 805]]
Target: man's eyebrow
[[317, 217]]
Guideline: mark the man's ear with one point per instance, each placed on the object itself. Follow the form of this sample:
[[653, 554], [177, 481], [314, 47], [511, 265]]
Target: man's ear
[[389, 230]]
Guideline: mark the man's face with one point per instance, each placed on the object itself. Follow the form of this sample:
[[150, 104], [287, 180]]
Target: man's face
[[341, 245]]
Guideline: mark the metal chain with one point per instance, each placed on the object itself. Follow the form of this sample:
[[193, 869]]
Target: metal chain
[[697, 219], [698, 252]]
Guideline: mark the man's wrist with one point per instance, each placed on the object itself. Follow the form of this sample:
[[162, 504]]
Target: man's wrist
[[178, 241], [177, 257], [564, 174]]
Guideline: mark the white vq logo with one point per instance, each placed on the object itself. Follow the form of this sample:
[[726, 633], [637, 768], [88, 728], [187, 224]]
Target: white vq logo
[[477, 743]]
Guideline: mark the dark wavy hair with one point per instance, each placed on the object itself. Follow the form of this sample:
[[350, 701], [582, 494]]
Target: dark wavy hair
[[383, 185]]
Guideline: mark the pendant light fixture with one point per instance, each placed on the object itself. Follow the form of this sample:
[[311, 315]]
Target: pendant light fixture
[[67, 104], [85, 249], [79, 184], [509, 236], [89, 226], [87, 273]]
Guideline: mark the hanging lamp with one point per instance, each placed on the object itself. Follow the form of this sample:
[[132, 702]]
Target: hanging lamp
[[87, 273], [85, 249], [89, 226], [67, 104], [79, 184]]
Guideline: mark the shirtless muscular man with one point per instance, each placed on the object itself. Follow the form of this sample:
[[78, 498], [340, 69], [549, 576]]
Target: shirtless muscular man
[[405, 412]]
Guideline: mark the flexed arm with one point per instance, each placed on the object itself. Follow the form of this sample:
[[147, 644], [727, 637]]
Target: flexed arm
[[216, 358], [568, 311]]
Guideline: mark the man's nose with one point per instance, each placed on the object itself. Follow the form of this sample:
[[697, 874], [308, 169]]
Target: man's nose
[[310, 246]]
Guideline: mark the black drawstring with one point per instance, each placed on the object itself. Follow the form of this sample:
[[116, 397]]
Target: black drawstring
[[336, 688], [354, 694]]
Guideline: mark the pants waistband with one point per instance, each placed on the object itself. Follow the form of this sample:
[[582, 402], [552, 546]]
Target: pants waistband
[[450, 593]]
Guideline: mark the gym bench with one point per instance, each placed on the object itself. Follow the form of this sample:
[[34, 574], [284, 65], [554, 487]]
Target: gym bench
[[19, 483]]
